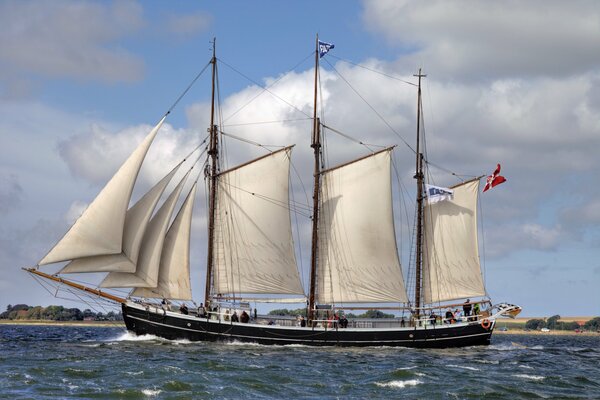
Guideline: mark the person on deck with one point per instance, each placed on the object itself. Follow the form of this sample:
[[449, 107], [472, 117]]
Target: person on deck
[[467, 308], [244, 318], [432, 318], [476, 309], [343, 321], [234, 317], [450, 317], [183, 309]]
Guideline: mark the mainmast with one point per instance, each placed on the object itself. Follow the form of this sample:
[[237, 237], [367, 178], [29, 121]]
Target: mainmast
[[419, 177], [214, 159], [316, 145]]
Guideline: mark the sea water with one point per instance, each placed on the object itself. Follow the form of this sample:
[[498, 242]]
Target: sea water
[[50, 362]]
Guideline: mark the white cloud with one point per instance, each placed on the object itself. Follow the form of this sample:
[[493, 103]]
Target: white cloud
[[97, 154], [69, 39], [468, 39]]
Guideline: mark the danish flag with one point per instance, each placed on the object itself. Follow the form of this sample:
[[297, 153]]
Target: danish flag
[[494, 179]]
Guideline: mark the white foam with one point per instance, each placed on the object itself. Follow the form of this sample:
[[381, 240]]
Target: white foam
[[135, 373], [525, 366], [463, 367], [494, 362], [399, 384], [530, 377], [150, 392], [132, 337]]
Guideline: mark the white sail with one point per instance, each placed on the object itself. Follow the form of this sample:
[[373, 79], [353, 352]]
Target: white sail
[[254, 249], [146, 273], [99, 230], [357, 254], [136, 222], [174, 274], [451, 267]]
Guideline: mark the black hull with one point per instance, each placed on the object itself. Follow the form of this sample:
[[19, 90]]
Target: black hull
[[142, 321]]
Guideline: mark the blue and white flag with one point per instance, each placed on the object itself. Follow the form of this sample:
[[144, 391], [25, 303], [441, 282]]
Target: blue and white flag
[[324, 48], [436, 193]]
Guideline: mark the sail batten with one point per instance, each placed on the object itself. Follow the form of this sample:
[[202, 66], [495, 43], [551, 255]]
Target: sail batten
[[99, 230], [357, 254], [254, 249], [451, 268]]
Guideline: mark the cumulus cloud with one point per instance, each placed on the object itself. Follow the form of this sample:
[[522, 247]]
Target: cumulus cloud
[[69, 39], [468, 39], [97, 154]]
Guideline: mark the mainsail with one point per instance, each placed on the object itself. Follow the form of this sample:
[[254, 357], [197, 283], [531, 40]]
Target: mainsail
[[146, 273], [358, 257], [99, 230], [254, 249], [174, 271], [136, 221], [451, 267]]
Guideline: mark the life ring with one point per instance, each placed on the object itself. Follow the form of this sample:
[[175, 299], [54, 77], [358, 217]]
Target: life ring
[[486, 323]]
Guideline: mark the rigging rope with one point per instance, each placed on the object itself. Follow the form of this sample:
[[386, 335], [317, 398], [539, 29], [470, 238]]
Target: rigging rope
[[265, 88], [187, 89]]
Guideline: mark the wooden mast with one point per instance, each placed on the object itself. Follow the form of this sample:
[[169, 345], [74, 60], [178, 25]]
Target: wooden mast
[[316, 145], [419, 177], [214, 156]]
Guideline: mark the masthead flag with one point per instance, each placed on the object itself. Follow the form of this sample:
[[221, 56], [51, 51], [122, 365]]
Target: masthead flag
[[494, 179], [324, 48]]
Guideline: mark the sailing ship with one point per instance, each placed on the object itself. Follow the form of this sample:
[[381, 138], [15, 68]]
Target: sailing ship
[[354, 254]]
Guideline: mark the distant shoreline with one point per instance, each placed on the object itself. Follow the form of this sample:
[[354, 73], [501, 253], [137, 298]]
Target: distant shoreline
[[551, 333], [97, 324]]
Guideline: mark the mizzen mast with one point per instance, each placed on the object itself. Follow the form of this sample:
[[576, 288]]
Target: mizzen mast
[[214, 159], [316, 145], [419, 177]]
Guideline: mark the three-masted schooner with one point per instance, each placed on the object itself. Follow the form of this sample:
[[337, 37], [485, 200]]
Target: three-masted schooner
[[251, 252]]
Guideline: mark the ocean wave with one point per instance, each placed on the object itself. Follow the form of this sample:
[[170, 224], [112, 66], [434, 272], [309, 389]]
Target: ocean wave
[[132, 337], [493, 362], [399, 384], [530, 377], [463, 367], [151, 392]]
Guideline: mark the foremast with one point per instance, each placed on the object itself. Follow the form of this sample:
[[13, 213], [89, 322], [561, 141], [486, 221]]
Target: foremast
[[213, 152], [316, 145], [419, 176]]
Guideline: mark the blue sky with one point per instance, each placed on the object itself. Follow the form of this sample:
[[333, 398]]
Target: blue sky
[[80, 83]]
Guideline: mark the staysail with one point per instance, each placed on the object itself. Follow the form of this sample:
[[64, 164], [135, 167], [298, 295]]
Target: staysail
[[451, 267], [254, 249], [358, 257], [99, 230], [174, 273], [136, 220], [146, 273]]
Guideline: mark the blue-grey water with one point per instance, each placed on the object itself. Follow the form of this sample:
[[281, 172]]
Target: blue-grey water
[[49, 362]]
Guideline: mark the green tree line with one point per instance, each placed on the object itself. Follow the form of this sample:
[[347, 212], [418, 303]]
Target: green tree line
[[55, 313], [554, 323]]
